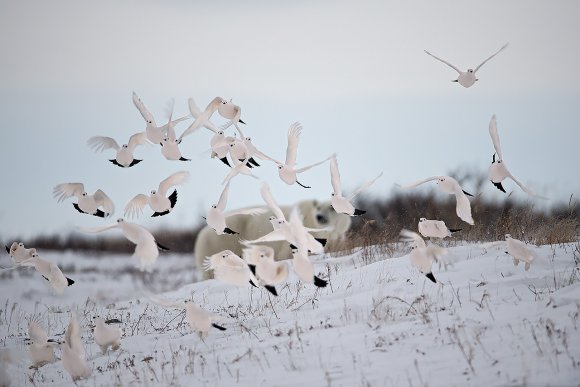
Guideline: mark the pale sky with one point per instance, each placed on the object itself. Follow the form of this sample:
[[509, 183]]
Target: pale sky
[[353, 73]]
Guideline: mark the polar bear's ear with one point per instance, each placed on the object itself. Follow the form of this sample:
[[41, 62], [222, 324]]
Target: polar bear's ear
[[315, 203]]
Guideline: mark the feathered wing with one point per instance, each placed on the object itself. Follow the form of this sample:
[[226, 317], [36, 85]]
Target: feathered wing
[[57, 280], [495, 137], [146, 114], [261, 155], [134, 208], [364, 186], [293, 139], [137, 139], [36, 333], [410, 236], [463, 207], [245, 211], [485, 61], [102, 199], [72, 336], [178, 178], [270, 201], [223, 201], [94, 230], [413, 185], [335, 177], [196, 124], [273, 236], [100, 143], [524, 188], [66, 190], [300, 170], [441, 60]]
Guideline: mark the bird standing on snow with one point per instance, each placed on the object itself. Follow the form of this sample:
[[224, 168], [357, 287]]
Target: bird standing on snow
[[158, 201], [124, 157], [498, 171], [146, 248], [467, 78], [73, 354], [287, 171], [422, 256], [434, 228], [341, 204], [87, 204], [41, 351], [216, 217], [106, 336], [519, 251], [450, 186]]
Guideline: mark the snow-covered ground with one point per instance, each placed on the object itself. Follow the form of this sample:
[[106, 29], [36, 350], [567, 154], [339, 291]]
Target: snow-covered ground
[[377, 323]]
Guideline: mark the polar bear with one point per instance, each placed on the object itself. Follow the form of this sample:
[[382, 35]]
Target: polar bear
[[314, 214]]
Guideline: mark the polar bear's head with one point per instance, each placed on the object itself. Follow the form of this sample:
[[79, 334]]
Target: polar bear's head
[[321, 214]]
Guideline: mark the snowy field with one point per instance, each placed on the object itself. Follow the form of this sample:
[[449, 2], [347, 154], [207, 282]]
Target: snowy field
[[379, 322]]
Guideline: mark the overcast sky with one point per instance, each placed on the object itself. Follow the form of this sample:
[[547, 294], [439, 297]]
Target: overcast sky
[[353, 73]]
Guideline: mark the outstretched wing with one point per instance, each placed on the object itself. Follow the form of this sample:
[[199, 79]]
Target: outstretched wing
[[300, 170], [66, 190], [485, 61], [293, 138], [441, 60], [134, 208], [335, 177], [178, 178], [246, 211], [413, 237], [463, 207], [270, 201], [100, 143], [147, 116], [102, 199], [413, 185], [495, 136], [364, 186], [94, 230], [524, 188], [137, 139], [223, 200]]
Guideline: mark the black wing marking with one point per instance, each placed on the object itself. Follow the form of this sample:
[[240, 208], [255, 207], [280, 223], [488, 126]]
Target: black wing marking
[[320, 282], [173, 198], [499, 186], [431, 277]]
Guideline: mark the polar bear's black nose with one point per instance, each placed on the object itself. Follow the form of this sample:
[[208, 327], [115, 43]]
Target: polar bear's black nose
[[320, 218]]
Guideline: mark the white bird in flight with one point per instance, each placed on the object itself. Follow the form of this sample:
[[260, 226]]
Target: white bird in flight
[[251, 150], [202, 118], [47, 269], [146, 247], [73, 354], [450, 186], [467, 78], [170, 144], [216, 215], [106, 335], [230, 269], [124, 157], [18, 253], [422, 256], [155, 133], [230, 111], [498, 170], [269, 272], [158, 199], [220, 146], [41, 351], [341, 204], [304, 268], [293, 231], [519, 251], [87, 204], [199, 320], [434, 228], [287, 170]]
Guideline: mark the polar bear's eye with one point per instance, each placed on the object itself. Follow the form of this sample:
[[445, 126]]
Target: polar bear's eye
[[320, 218]]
